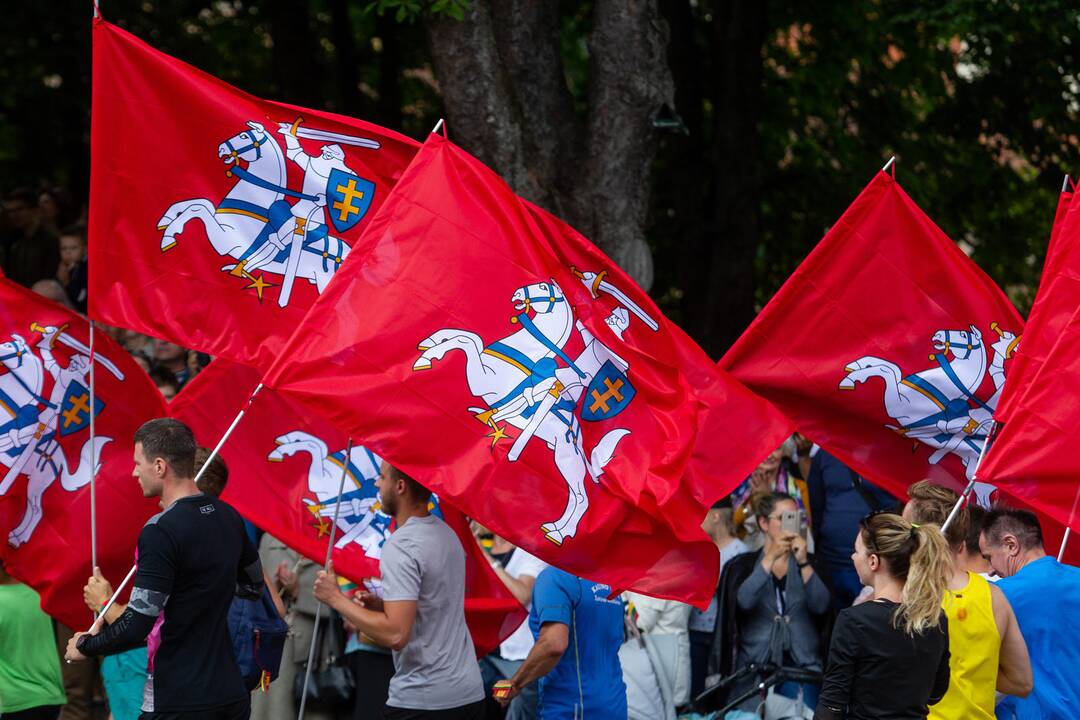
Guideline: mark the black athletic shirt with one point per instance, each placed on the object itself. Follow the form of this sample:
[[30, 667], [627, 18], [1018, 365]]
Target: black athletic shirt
[[876, 671], [194, 557]]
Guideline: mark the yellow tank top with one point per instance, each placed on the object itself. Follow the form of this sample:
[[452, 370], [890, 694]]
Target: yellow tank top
[[974, 646]]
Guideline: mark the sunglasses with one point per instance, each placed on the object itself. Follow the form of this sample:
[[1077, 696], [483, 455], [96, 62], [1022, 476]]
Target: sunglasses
[[871, 545]]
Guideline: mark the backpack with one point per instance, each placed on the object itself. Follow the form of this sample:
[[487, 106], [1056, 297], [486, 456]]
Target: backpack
[[258, 636]]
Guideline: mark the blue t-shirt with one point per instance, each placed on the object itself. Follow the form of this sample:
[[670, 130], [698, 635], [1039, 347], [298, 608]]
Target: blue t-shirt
[[561, 597], [1044, 597]]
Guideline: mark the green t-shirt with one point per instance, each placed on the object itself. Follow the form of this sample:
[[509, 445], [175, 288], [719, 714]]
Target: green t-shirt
[[29, 661]]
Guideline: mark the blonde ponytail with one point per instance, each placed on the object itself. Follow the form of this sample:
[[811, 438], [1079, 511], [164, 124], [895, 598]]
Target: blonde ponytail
[[918, 556], [927, 580]]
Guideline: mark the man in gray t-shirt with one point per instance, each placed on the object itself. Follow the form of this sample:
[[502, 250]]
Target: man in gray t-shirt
[[421, 615]]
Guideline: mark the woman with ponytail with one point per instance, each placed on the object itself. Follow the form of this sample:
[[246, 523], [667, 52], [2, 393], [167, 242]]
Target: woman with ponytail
[[889, 658], [981, 621]]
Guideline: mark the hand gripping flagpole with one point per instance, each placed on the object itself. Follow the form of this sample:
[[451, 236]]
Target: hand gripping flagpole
[[971, 483], [198, 476], [326, 567], [93, 460]]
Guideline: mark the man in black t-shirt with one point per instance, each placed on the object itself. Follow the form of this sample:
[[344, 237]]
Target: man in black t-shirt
[[193, 557]]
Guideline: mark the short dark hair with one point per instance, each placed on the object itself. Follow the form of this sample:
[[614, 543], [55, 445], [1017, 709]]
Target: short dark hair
[[1023, 524], [77, 231], [216, 474], [417, 491], [976, 514], [170, 440]]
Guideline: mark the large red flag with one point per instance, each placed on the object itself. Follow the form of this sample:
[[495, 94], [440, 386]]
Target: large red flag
[[216, 218], [285, 468], [1033, 456], [888, 345], [1049, 314], [571, 415], [46, 455]]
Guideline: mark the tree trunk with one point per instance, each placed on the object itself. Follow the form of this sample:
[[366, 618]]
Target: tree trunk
[[481, 113], [503, 85]]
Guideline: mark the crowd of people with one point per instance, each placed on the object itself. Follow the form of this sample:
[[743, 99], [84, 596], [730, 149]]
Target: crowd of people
[[835, 599]]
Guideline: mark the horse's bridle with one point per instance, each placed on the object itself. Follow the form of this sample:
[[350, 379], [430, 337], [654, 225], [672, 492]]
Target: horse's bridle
[[969, 346], [16, 355], [255, 144], [550, 299]]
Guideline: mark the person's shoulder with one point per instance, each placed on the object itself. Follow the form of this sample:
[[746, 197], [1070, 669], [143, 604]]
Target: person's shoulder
[[864, 614], [552, 577]]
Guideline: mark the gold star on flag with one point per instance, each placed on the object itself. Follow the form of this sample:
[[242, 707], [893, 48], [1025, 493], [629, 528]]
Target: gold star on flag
[[258, 285], [497, 433]]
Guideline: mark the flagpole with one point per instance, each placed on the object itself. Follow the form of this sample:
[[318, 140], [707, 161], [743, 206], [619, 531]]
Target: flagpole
[[1065, 184], [971, 483], [198, 475], [1068, 529], [93, 461], [228, 432], [326, 567], [889, 164], [438, 125]]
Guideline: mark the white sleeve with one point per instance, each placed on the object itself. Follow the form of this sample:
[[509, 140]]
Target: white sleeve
[[526, 564]]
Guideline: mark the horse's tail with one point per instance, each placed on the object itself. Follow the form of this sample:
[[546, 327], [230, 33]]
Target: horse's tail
[[605, 449], [89, 457]]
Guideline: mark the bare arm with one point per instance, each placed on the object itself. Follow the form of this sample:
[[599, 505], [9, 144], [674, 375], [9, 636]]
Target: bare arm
[[520, 587], [388, 623], [1014, 665], [545, 655]]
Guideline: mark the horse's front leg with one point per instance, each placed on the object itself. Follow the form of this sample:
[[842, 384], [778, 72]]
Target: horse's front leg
[[177, 216], [435, 346], [861, 370]]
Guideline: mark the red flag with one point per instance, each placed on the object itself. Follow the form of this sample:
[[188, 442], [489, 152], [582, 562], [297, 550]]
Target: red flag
[[1049, 314], [1033, 455], [204, 197], [888, 345], [46, 455], [285, 469], [571, 415]]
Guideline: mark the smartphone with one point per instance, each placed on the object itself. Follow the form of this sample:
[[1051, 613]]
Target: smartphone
[[791, 522]]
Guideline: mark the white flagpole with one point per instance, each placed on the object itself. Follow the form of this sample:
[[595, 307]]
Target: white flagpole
[[1068, 529], [93, 461], [889, 164], [437, 127], [971, 483], [326, 566]]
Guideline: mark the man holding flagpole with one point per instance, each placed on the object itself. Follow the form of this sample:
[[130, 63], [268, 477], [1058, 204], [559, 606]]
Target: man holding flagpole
[[193, 556], [421, 615]]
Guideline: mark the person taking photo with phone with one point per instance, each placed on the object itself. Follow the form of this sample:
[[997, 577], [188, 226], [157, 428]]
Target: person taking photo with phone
[[779, 601]]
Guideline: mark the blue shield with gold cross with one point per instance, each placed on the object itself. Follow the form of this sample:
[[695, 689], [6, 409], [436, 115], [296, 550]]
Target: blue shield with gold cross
[[348, 198], [608, 394], [75, 409]]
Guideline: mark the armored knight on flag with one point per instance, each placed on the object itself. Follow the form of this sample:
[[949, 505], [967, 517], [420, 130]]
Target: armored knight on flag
[[47, 457], [204, 196]]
